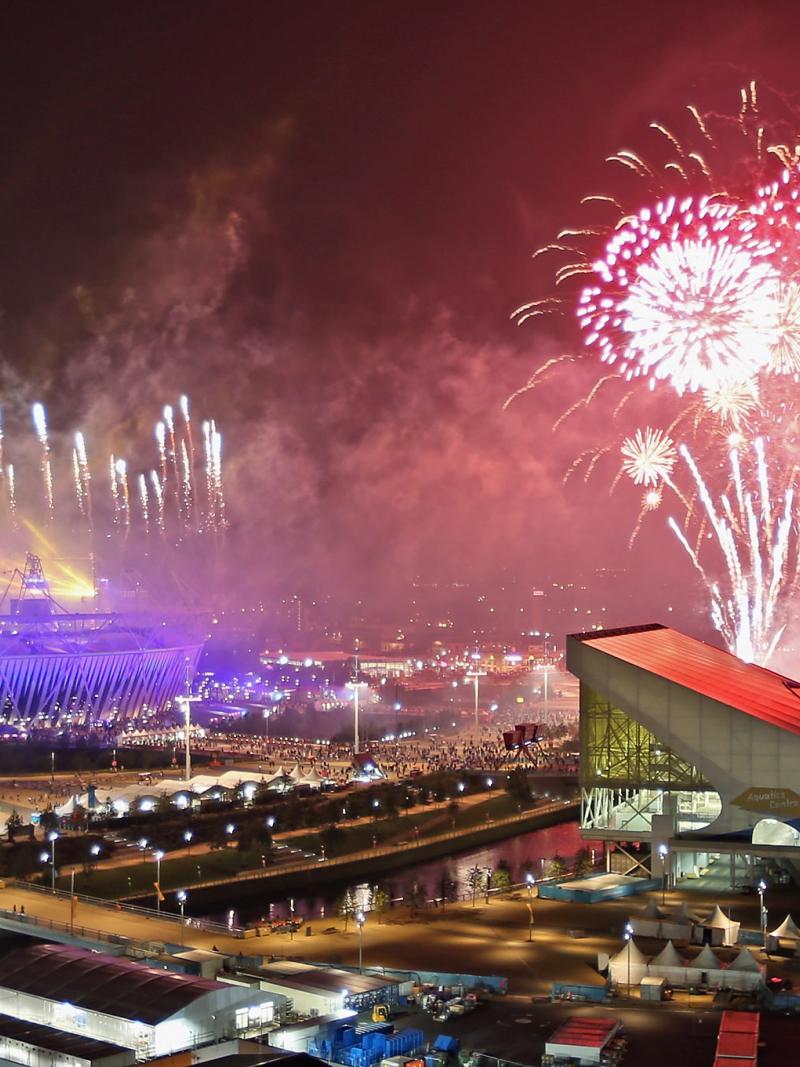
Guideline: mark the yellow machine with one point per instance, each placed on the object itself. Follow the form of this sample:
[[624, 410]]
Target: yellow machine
[[381, 1013]]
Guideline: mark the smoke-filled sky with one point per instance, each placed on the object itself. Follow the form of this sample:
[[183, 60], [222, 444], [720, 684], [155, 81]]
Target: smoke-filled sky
[[315, 219]]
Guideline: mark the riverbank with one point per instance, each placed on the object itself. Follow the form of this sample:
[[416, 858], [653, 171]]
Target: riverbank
[[300, 877]]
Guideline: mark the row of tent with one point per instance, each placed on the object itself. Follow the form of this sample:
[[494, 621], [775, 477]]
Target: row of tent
[[183, 793], [630, 966], [680, 925]]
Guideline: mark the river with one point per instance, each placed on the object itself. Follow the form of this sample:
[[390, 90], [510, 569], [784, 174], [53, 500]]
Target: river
[[535, 848]]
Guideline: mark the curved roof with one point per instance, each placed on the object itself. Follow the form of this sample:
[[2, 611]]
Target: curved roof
[[101, 983], [704, 669]]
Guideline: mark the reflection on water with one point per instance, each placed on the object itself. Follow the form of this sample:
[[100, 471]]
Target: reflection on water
[[535, 848]]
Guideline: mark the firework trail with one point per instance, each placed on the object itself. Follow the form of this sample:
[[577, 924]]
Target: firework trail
[[187, 422], [121, 469], [758, 543], [216, 463], [161, 441], [85, 479], [142, 480], [76, 474], [12, 492], [112, 471], [169, 422], [209, 469], [186, 482], [158, 493], [40, 425]]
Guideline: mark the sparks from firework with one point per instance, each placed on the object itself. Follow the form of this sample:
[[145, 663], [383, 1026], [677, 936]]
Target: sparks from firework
[[40, 425], [112, 471], [143, 500], [84, 479], [732, 402], [12, 492], [758, 541], [158, 493], [649, 457], [121, 468], [187, 422]]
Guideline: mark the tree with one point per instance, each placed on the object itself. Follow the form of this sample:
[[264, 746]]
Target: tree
[[332, 839], [501, 879], [518, 787], [474, 882], [556, 868], [346, 907], [48, 820], [583, 863], [379, 901], [416, 897], [448, 889], [13, 824]]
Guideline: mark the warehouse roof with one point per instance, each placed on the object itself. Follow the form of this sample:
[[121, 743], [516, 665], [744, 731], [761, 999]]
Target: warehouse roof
[[58, 1041], [704, 669], [101, 983]]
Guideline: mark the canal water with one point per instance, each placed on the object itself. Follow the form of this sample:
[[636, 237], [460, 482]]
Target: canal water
[[530, 850]]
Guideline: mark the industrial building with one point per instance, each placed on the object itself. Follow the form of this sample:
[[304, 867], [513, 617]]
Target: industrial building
[[321, 991], [119, 1008], [687, 748]]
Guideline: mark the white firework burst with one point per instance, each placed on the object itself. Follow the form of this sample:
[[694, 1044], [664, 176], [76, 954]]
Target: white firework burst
[[649, 457]]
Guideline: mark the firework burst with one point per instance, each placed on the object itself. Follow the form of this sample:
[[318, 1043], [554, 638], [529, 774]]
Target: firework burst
[[649, 457]]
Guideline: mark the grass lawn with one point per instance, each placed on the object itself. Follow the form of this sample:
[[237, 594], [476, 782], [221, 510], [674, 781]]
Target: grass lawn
[[184, 871]]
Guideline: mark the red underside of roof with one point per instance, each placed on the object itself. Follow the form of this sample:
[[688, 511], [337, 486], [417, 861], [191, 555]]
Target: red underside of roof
[[738, 1046], [706, 670], [586, 1032], [731, 1061], [740, 1022]]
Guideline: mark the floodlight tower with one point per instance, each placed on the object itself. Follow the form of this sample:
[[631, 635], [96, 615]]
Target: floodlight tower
[[475, 673], [184, 702], [356, 685]]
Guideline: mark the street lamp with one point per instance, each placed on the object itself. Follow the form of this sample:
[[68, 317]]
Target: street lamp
[[52, 837], [628, 935], [187, 837], [762, 886], [360, 920], [488, 882], [158, 856], [663, 852], [529, 879], [181, 905]]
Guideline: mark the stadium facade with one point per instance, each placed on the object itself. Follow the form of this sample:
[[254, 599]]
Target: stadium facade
[[689, 749], [66, 669]]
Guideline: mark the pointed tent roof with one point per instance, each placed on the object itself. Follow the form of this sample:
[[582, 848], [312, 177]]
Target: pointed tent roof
[[788, 928], [718, 920], [295, 773], [312, 778], [631, 949], [745, 961], [280, 773], [651, 910], [706, 961], [667, 957], [682, 913]]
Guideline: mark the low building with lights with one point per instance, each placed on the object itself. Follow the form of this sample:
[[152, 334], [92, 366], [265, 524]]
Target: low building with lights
[[122, 1010]]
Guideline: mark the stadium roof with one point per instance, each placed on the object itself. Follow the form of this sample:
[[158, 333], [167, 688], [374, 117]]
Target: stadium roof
[[106, 984], [704, 669]]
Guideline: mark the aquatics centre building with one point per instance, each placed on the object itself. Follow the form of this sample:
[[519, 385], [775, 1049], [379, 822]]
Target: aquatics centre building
[[689, 749]]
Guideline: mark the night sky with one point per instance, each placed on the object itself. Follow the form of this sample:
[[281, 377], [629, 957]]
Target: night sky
[[316, 220]]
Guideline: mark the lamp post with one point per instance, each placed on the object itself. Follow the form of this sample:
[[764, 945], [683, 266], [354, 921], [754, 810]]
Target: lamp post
[[158, 856], [663, 852], [476, 674], [628, 936], [360, 920], [52, 837], [182, 904], [529, 882], [762, 887], [187, 837], [488, 882]]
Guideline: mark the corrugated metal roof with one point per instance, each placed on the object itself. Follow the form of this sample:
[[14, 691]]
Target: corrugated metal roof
[[704, 669], [101, 983], [47, 1037]]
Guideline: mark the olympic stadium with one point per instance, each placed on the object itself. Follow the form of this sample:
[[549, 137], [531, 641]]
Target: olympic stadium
[[689, 750], [77, 669]]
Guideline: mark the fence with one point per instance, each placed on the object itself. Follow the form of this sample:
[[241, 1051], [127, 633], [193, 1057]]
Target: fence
[[131, 909]]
